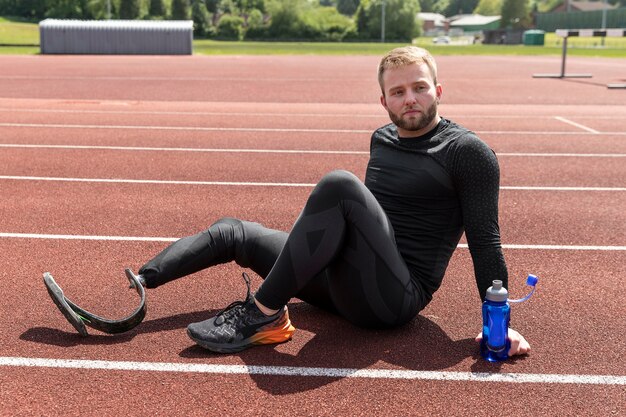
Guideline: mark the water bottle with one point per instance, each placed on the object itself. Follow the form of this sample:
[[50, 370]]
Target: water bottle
[[495, 343]]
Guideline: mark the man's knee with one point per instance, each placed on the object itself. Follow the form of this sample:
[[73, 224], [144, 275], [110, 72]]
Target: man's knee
[[339, 178], [337, 186], [244, 242], [227, 221]]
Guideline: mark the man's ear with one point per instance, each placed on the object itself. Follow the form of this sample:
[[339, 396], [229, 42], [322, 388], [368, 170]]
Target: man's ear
[[383, 101], [439, 91]]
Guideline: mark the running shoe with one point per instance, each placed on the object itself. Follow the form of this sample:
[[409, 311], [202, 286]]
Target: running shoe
[[240, 326]]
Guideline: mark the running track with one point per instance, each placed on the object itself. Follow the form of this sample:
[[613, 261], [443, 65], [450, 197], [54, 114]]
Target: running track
[[104, 160]]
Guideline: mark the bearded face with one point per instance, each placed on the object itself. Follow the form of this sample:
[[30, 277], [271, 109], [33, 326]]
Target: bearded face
[[414, 121], [411, 99]]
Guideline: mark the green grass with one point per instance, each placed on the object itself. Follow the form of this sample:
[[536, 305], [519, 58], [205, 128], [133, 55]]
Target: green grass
[[19, 37], [586, 42], [19, 50], [18, 33], [211, 47]]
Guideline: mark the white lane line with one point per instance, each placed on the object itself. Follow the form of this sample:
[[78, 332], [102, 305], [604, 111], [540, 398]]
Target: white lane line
[[130, 112], [563, 155], [276, 114], [281, 151], [207, 150], [168, 182], [261, 129], [88, 237], [558, 247], [531, 132], [298, 371], [546, 188], [112, 78], [183, 128], [578, 125], [265, 184], [173, 239]]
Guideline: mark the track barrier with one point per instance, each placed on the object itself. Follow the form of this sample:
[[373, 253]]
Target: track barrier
[[110, 37], [565, 34]]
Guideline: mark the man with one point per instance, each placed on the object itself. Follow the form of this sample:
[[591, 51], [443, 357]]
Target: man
[[372, 252]]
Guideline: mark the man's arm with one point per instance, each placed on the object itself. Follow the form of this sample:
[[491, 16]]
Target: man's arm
[[477, 179], [478, 183]]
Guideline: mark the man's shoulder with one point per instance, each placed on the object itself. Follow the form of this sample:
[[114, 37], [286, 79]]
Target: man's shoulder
[[462, 136], [386, 132], [456, 131]]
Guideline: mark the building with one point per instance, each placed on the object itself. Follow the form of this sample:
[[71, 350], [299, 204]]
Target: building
[[583, 6], [581, 15], [433, 23], [474, 22]]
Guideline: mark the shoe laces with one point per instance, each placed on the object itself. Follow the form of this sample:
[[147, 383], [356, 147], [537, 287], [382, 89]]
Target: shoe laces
[[235, 309]]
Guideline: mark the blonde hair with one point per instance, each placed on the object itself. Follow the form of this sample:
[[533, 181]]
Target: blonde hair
[[406, 55]]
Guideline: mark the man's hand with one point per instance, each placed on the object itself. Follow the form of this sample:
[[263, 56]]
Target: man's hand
[[519, 345]]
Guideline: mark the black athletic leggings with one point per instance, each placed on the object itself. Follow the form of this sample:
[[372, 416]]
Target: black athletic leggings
[[340, 255]]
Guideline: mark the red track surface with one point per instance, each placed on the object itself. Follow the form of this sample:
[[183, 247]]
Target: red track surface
[[101, 113]]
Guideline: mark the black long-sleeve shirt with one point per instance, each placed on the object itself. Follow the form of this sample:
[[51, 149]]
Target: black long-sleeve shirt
[[433, 188]]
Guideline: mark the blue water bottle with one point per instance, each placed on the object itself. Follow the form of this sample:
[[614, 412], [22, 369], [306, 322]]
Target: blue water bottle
[[495, 343], [496, 315]]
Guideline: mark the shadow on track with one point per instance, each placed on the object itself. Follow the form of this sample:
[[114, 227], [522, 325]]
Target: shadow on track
[[332, 343], [335, 343], [56, 337]]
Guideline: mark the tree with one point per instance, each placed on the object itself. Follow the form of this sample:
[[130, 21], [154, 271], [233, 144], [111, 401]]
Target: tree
[[201, 19], [129, 9], [256, 25], [71, 9], [427, 6], [156, 8], [255, 19], [347, 7], [285, 18], [180, 9], [248, 5], [97, 9], [30, 9], [460, 7], [212, 5], [325, 24], [400, 20], [230, 27], [440, 6], [489, 7], [515, 14], [229, 7]]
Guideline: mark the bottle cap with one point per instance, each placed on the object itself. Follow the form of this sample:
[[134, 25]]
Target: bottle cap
[[497, 292], [530, 281]]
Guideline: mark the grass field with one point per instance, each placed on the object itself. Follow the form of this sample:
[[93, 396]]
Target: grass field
[[23, 38], [18, 33], [210, 47]]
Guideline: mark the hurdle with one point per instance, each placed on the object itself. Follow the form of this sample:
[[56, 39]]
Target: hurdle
[[565, 34]]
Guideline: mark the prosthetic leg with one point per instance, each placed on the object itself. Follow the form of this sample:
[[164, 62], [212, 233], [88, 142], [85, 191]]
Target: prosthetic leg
[[79, 317]]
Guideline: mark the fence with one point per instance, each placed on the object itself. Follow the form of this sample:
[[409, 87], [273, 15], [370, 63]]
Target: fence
[[174, 37], [549, 22]]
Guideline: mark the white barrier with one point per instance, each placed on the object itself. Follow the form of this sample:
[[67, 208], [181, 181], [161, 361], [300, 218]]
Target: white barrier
[[566, 33], [131, 37]]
